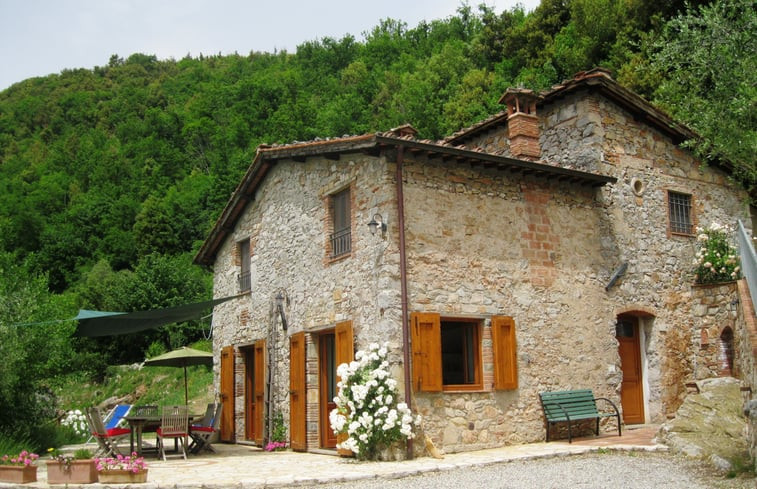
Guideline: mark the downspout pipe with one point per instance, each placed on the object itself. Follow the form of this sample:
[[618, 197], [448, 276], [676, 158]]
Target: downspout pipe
[[403, 287]]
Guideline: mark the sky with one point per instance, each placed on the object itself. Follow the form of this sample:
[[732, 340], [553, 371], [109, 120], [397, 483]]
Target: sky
[[40, 37]]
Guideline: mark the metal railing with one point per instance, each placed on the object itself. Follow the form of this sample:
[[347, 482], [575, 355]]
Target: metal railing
[[245, 282], [341, 242], [748, 260]]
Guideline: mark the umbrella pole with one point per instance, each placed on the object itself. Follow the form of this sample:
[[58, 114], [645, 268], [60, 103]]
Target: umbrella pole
[[186, 391]]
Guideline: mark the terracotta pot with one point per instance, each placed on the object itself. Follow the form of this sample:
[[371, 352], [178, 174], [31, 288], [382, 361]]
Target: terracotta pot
[[18, 474], [113, 476], [78, 472]]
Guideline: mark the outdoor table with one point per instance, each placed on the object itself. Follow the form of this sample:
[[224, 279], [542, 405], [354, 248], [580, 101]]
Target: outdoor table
[[138, 423]]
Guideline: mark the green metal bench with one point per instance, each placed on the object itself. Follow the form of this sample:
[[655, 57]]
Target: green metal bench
[[576, 405]]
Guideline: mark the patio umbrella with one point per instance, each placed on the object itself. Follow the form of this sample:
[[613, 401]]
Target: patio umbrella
[[181, 357]]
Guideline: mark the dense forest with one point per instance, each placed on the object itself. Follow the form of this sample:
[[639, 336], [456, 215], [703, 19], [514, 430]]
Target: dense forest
[[111, 177]]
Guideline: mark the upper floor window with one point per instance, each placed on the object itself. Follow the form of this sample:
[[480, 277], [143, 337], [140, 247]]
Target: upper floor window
[[341, 221], [680, 218], [243, 248]]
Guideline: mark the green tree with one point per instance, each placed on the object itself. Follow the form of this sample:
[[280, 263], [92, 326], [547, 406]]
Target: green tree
[[31, 353], [706, 60]]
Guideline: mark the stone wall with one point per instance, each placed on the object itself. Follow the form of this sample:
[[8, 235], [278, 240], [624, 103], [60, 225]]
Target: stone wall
[[482, 243], [287, 222]]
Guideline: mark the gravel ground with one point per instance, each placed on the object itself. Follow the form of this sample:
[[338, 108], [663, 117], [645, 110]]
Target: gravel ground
[[632, 470]]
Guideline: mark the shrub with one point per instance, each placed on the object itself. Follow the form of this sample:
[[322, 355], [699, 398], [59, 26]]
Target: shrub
[[716, 260], [367, 409]]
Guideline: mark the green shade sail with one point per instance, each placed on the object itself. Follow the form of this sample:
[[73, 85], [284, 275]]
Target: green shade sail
[[104, 323]]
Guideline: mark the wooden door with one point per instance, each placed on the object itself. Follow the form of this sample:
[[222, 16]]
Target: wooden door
[[631, 390], [297, 394], [249, 396], [227, 394], [258, 389], [326, 387]]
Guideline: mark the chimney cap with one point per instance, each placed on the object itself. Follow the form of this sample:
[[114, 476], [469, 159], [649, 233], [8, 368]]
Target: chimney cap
[[522, 94]]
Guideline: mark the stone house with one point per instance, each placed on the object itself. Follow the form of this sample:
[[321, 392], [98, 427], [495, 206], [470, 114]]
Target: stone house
[[547, 247]]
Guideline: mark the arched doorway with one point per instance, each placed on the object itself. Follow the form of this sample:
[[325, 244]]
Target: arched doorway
[[628, 334]]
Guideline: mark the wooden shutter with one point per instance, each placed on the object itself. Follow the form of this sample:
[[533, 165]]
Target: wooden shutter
[[297, 395], [345, 353], [427, 351], [505, 353], [259, 390], [344, 343], [227, 394]]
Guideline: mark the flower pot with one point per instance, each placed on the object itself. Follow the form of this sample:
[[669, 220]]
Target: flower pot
[[114, 476], [18, 474], [77, 472]]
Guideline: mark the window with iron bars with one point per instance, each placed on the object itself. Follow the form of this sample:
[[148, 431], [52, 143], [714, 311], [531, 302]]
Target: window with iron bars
[[679, 213], [244, 278], [341, 238]]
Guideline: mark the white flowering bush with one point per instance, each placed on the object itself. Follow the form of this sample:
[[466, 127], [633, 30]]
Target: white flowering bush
[[76, 420], [367, 410], [716, 260]]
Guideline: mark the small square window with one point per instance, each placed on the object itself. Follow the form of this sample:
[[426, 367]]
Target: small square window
[[679, 213]]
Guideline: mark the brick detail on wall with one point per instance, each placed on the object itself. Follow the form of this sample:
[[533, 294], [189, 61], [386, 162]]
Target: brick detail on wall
[[539, 243], [311, 388], [239, 375]]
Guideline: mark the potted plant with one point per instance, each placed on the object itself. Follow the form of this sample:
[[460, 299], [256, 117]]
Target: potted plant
[[19, 469], [121, 470], [78, 468]]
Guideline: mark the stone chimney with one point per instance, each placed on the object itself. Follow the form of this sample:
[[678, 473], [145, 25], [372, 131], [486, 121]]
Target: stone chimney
[[522, 123]]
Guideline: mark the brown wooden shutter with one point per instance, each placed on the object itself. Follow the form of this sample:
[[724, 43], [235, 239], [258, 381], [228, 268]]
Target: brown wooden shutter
[[297, 394], [505, 353], [259, 391], [427, 351], [227, 393], [344, 343], [345, 353]]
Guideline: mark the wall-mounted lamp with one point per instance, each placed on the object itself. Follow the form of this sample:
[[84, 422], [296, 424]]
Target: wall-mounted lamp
[[280, 309], [377, 221]]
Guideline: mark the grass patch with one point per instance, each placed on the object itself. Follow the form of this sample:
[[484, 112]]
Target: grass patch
[[139, 386]]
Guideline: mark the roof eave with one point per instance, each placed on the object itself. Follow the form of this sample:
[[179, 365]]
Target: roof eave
[[266, 157]]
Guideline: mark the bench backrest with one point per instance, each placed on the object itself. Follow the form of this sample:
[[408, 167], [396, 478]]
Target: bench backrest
[[577, 404]]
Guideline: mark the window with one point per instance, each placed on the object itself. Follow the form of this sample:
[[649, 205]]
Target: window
[[447, 353], [459, 360], [243, 248], [679, 213], [341, 237]]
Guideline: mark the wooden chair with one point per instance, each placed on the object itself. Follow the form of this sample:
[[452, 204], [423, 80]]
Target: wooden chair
[[174, 424], [107, 439], [202, 435]]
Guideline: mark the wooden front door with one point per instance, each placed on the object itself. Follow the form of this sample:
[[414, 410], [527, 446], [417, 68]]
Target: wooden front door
[[297, 394], [326, 386], [258, 389], [631, 390], [254, 392], [227, 394]]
